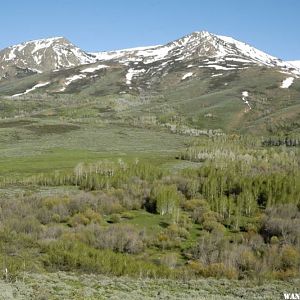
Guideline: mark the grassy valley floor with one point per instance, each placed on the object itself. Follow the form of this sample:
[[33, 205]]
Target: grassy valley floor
[[101, 201]]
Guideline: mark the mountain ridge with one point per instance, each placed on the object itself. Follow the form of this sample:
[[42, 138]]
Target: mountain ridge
[[259, 56], [56, 53], [208, 81], [42, 55]]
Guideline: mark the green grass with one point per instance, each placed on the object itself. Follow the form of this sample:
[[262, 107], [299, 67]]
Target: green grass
[[153, 224], [144, 220], [34, 146], [100, 99], [62, 159]]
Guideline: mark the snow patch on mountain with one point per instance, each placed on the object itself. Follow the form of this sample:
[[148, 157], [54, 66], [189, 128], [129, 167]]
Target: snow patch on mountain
[[217, 75], [131, 73], [187, 75], [294, 63], [245, 95], [125, 55], [35, 70], [31, 89], [236, 59], [286, 83], [217, 67], [69, 80], [10, 56], [94, 69]]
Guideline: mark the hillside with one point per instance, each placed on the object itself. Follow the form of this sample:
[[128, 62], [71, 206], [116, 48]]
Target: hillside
[[159, 172], [200, 78]]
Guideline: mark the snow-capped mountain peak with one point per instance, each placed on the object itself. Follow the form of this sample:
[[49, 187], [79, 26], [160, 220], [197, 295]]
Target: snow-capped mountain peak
[[234, 46], [11, 52], [43, 55], [205, 49], [196, 44]]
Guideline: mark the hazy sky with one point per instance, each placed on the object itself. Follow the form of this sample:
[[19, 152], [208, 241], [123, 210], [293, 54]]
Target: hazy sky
[[95, 25]]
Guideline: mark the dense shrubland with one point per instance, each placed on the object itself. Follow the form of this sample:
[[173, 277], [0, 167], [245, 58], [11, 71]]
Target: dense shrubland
[[234, 215]]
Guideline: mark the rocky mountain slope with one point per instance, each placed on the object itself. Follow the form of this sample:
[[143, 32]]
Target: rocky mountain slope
[[209, 80], [41, 56], [196, 44], [214, 51]]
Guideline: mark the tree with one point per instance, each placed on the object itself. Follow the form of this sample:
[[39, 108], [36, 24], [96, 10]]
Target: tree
[[167, 200]]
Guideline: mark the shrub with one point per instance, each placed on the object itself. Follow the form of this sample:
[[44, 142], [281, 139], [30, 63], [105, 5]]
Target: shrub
[[69, 256], [282, 221], [200, 211], [85, 218], [78, 219], [53, 232], [174, 231], [61, 211], [274, 240], [165, 242], [51, 202], [219, 270], [254, 241], [246, 261], [290, 257], [209, 248], [211, 216], [213, 226], [169, 260], [56, 218], [93, 216], [28, 225], [192, 204], [117, 237], [185, 221], [108, 204], [128, 215], [44, 215], [197, 267], [192, 188], [115, 218], [81, 202]]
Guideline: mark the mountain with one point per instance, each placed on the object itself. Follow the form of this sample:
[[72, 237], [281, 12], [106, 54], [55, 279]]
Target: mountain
[[196, 50], [196, 44], [294, 63], [41, 56], [58, 53], [203, 79]]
